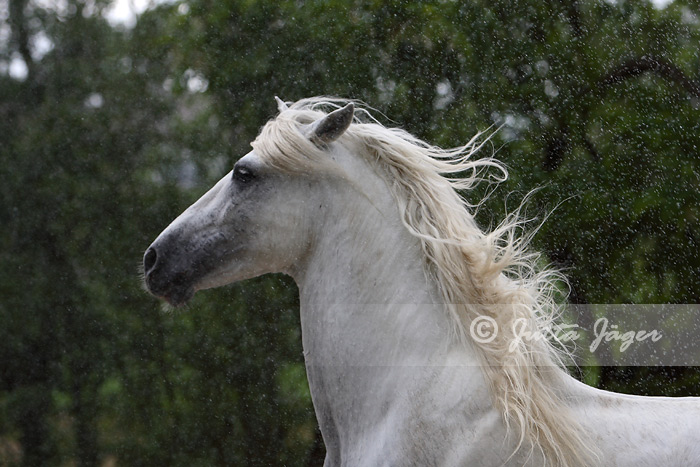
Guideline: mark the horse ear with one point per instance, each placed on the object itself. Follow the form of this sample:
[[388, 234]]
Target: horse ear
[[330, 127], [281, 105]]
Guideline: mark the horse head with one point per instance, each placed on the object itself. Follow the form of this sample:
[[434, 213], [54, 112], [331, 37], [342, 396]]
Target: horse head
[[253, 221]]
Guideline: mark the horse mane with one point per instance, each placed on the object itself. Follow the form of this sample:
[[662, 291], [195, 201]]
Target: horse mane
[[480, 274]]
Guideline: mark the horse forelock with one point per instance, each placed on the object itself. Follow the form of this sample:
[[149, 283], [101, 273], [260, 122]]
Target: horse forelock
[[480, 274]]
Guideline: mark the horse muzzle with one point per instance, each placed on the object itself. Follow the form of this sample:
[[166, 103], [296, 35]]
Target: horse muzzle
[[164, 279]]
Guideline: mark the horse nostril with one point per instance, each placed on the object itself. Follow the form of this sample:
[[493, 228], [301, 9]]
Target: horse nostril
[[149, 260]]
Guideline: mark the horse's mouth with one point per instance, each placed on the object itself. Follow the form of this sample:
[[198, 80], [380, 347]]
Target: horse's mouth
[[179, 297], [175, 292], [173, 268]]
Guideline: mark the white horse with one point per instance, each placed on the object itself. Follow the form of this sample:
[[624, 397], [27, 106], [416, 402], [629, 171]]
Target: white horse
[[393, 273]]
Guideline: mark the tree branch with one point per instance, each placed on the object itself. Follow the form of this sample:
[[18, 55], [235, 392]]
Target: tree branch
[[659, 66], [632, 68]]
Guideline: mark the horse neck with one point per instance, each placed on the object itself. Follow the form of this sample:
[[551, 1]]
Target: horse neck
[[373, 325], [365, 296]]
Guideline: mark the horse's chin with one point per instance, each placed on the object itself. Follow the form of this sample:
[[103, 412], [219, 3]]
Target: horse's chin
[[175, 289], [179, 297], [175, 297]]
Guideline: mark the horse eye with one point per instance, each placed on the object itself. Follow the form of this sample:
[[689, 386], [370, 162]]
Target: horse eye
[[242, 173]]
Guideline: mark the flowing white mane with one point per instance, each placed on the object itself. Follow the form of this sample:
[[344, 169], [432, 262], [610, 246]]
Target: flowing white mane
[[480, 274]]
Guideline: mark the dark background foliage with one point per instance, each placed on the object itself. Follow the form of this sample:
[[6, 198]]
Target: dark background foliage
[[108, 131]]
